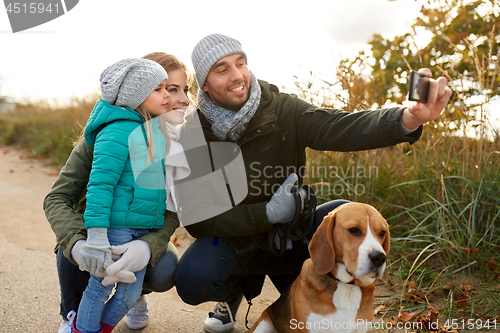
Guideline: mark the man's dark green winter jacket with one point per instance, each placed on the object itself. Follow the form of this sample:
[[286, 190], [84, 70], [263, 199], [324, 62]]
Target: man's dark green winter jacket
[[273, 146]]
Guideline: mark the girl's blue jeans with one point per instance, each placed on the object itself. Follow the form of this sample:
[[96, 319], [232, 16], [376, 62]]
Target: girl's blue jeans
[[73, 281], [95, 307]]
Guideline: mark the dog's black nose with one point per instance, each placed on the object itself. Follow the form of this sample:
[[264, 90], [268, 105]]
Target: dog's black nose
[[377, 258]]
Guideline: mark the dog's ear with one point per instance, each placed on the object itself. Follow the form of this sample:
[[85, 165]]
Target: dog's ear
[[386, 245], [385, 276], [321, 245], [387, 241]]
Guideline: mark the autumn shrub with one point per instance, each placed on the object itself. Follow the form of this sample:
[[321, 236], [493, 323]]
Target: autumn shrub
[[441, 196]]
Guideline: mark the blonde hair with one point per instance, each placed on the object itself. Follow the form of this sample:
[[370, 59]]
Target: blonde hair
[[146, 117], [169, 62]]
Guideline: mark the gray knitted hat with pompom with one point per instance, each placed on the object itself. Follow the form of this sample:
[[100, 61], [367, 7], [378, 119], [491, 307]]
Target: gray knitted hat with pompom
[[129, 82]]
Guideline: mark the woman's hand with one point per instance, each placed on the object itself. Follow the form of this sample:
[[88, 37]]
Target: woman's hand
[[134, 256]]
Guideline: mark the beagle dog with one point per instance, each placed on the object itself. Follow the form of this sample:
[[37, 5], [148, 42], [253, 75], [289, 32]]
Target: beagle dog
[[336, 286]]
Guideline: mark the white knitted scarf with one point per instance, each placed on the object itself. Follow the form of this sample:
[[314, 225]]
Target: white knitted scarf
[[176, 165]]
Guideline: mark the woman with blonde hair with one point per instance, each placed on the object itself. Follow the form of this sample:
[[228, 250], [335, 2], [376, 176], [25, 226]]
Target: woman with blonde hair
[[64, 207]]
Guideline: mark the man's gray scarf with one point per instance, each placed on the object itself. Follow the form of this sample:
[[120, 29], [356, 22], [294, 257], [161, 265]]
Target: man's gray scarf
[[227, 123]]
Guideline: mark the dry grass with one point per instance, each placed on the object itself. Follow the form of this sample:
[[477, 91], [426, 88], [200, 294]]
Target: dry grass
[[47, 130]]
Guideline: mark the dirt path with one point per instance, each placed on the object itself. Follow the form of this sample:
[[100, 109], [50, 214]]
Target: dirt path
[[29, 289]]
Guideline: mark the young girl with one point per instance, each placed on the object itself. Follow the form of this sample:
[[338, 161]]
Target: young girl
[[127, 194]]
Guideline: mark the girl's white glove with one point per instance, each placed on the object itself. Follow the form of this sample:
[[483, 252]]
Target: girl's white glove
[[120, 276], [135, 255]]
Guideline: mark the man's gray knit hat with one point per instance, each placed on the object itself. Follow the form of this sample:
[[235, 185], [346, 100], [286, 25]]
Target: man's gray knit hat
[[129, 82], [209, 50]]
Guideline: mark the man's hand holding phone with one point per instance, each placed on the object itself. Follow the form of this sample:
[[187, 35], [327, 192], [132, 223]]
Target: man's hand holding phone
[[418, 90], [429, 98]]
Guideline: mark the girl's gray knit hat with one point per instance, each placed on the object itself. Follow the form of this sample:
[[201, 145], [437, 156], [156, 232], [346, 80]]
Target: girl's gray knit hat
[[209, 50], [129, 82]]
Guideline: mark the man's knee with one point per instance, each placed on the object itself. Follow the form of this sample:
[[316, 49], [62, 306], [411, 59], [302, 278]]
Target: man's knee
[[160, 278], [205, 270], [323, 210], [193, 286]]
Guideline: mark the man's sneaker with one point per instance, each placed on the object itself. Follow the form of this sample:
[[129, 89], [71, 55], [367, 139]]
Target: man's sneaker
[[138, 316], [67, 324], [222, 318]]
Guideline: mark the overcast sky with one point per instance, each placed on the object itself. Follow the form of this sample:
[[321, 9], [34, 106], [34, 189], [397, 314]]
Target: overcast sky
[[64, 57]]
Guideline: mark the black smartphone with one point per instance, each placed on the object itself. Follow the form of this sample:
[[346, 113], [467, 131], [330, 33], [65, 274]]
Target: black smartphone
[[419, 87]]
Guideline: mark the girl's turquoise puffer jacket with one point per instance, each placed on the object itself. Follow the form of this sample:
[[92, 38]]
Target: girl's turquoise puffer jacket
[[124, 192]]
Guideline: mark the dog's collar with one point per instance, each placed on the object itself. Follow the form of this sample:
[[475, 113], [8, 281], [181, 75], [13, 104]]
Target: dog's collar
[[333, 277]]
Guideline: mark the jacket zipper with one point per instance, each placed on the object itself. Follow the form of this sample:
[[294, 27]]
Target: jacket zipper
[[283, 139]]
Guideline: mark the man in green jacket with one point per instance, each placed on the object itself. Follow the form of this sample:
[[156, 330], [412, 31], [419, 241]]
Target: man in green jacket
[[272, 129]]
